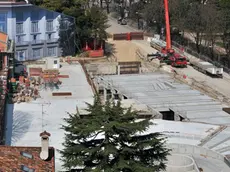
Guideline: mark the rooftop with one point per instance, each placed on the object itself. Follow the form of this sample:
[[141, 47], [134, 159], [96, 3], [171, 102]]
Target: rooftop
[[205, 123], [160, 92], [17, 158], [28, 121]]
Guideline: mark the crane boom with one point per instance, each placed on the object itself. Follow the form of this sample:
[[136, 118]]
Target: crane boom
[[167, 25]]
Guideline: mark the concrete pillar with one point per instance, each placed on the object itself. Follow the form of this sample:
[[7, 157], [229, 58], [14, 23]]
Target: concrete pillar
[[112, 93], [105, 94], [5, 61], [118, 70]]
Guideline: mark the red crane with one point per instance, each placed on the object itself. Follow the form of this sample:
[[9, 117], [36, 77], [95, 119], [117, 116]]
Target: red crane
[[174, 58], [167, 25]]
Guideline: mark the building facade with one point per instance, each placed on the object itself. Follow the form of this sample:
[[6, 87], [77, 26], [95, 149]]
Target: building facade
[[34, 30]]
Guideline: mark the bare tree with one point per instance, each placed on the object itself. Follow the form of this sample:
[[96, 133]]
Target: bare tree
[[211, 18]]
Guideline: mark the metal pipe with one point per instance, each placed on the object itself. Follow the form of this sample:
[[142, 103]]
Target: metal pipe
[[167, 25]]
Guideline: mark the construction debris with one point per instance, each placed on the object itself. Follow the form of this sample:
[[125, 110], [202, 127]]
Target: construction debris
[[27, 89]]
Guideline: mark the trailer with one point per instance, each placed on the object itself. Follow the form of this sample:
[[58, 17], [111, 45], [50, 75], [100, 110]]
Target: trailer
[[207, 68]]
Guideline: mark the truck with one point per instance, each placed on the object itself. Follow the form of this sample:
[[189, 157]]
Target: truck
[[207, 68], [173, 59]]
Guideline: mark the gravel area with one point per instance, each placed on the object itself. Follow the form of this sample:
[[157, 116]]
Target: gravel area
[[124, 51]]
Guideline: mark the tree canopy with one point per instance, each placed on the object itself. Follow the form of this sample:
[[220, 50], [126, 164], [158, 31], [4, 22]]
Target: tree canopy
[[110, 138], [88, 21], [206, 22]]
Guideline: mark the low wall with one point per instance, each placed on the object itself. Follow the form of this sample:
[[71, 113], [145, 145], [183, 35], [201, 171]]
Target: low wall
[[180, 163], [191, 149]]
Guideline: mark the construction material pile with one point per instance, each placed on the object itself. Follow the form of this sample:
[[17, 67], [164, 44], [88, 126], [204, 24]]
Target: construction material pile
[[26, 89], [50, 79]]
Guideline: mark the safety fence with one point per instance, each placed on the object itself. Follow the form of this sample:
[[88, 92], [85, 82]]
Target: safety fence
[[96, 53]]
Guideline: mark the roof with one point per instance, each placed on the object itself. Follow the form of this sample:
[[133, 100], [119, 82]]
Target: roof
[[160, 92], [14, 158], [27, 118], [3, 41]]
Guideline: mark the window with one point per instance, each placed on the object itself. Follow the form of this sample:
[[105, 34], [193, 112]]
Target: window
[[37, 52], [34, 27], [34, 37], [19, 28], [52, 51], [27, 155], [19, 39], [49, 25], [21, 55], [3, 22], [2, 17], [26, 169], [49, 36]]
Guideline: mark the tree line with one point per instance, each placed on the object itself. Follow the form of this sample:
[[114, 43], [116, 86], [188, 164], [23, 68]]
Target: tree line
[[205, 22]]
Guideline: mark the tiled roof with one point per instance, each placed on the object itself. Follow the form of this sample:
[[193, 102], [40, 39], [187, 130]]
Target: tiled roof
[[15, 158]]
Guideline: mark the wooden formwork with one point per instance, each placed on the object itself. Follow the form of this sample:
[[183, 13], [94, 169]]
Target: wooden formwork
[[132, 67]]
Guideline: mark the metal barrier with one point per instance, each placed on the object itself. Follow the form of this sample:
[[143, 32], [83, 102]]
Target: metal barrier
[[129, 36]]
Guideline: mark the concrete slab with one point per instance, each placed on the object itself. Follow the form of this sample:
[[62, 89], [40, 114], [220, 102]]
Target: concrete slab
[[29, 122]]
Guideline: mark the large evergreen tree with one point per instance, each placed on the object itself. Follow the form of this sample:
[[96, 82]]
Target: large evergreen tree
[[111, 139]]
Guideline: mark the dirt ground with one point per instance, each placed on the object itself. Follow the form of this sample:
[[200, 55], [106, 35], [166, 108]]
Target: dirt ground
[[124, 51]]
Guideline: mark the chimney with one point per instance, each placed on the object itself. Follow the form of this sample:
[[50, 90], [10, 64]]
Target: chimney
[[44, 155]]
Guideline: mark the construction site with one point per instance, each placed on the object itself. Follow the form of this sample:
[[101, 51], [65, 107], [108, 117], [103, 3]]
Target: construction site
[[191, 113], [188, 99]]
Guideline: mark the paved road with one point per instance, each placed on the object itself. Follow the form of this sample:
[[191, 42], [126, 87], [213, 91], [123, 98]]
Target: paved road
[[116, 28], [220, 85]]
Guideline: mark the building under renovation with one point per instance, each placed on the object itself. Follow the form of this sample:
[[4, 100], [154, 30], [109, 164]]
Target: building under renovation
[[6, 71]]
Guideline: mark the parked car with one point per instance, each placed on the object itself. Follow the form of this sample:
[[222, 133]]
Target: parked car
[[122, 21]]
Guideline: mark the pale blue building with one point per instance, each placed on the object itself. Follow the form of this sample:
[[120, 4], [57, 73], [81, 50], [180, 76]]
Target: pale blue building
[[35, 30]]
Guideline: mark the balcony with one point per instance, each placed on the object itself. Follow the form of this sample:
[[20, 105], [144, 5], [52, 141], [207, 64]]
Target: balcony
[[20, 33], [50, 29], [35, 30], [37, 42], [53, 40], [22, 43]]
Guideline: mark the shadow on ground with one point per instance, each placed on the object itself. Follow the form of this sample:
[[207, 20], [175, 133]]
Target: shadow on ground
[[110, 49], [21, 124]]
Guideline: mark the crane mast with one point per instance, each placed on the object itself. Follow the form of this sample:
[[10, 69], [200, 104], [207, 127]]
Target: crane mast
[[167, 25]]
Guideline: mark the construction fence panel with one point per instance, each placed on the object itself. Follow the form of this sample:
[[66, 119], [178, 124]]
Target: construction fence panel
[[129, 67], [137, 35], [120, 36]]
